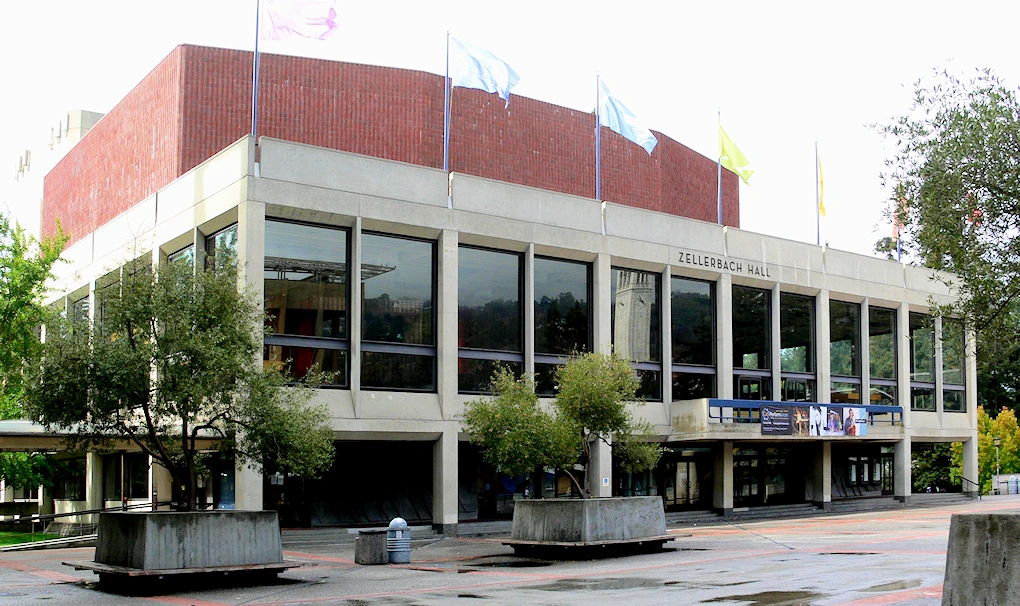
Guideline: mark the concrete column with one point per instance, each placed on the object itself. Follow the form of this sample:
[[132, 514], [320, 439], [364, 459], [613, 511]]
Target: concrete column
[[602, 290], [247, 488], [162, 484], [970, 377], [93, 485], [722, 492], [903, 365], [354, 319], [7, 493], [777, 365], [45, 501], [446, 319], [823, 358], [529, 308], [901, 469], [865, 353], [667, 342], [970, 466], [600, 470], [444, 483], [724, 346], [937, 371], [821, 480]]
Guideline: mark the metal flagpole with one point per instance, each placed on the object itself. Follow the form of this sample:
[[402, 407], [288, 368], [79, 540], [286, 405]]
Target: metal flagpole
[[718, 166], [255, 77], [818, 203], [598, 139], [446, 110]]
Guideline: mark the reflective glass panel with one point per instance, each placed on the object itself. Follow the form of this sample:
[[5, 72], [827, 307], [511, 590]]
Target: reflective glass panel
[[952, 352], [922, 349], [883, 395], [798, 390], [475, 376], [185, 256], [397, 371], [922, 398], [636, 297], [752, 324], [306, 280], [690, 386], [796, 333], [752, 388], [845, 393], [954, 400], [693, 310], [489, 300], [221, 247], [562, 320], [298, 361], [844, 338], [882, 342], [396, 290]]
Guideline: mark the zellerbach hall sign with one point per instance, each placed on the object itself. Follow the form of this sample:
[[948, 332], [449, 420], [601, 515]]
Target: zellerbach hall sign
[[727, 264], [813, 420]]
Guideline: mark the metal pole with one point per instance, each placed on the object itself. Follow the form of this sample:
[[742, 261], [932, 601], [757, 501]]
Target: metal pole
[[718, 164], [598, 139], [255, 77], [446, 110], [818, 203]]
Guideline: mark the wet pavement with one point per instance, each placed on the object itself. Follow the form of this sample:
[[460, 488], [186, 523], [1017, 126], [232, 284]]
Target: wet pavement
[[881, 557]]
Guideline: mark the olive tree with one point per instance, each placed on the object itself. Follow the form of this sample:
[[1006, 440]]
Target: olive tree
[[594, 392], [172, 363]]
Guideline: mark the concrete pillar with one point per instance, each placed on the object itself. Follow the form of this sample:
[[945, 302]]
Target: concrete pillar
[[776, 351], [970, 467], [901, 469], [824, 359], [445, 483], [865, 353], [600, 470], [937, 371], [667, 342], [970, 378], [45, 501], [903, 363], [446, 318], [529, 308], [93, 485], [821, 480], [162, 485], [724, 342], [722, 492], [354, 322], [8, 493], [247, 488], [602, 289]]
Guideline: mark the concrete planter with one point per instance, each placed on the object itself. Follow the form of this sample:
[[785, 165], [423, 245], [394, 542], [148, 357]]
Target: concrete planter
[[981, 563], [589, 521], [164, 540]]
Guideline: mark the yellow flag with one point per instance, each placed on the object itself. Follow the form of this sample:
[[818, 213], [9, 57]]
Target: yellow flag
[[821, 187], [732, 158]]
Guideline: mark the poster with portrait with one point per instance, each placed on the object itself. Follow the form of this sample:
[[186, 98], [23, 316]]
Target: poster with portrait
[[855, 421], [832, 416]]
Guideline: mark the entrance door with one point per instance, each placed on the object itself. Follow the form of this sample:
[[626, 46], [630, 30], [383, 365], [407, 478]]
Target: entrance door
[[886, 466]]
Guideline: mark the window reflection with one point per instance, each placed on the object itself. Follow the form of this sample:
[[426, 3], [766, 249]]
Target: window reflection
[[845, 338], [796, 333], [752, 323], [952, 352], [489, 317], [692, 306], [636, 325], [882, 342], [221, 248], [922, 348], [562, 316], [396, 290]]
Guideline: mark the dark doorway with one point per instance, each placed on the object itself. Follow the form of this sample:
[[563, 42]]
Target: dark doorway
[[768, 475]]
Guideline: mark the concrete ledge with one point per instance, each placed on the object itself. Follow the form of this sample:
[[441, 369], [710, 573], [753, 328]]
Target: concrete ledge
[[588, 520], [981, 563]]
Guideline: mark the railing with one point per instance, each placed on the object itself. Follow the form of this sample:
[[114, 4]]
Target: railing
[[37, 518], [977, 487], [748, 411]]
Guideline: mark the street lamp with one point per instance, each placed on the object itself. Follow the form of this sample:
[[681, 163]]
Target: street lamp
[[996, 441]]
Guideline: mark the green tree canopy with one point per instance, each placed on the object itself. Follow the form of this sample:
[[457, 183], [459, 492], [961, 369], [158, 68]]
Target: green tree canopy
[[172, 360], [593, 394]]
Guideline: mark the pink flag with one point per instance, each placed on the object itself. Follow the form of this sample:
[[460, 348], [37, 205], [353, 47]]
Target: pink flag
[[283, 19]]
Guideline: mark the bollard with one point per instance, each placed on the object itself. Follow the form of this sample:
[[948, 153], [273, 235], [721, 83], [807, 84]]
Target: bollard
[[398, 541]]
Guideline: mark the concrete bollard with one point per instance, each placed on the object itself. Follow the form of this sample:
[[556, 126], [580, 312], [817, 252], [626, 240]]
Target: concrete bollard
[[982, 566], [370, 548]]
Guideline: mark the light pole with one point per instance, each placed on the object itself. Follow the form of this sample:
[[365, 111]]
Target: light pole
[[996, 441]]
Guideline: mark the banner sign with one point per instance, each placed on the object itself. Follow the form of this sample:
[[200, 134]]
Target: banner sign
[[813, 420]]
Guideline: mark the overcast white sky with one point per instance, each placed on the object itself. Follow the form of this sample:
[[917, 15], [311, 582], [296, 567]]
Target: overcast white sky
[[783, 74]]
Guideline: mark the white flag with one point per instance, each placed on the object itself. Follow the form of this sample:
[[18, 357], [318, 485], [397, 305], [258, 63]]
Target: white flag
[[617, 117], [282, 19], [474, 67]]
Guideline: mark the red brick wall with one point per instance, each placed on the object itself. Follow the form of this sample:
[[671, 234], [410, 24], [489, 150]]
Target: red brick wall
[[198, 100]]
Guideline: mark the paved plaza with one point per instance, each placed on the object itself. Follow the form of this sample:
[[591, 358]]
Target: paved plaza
[[881, 557]]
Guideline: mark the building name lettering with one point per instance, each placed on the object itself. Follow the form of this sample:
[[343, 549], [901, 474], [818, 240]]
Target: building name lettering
[[721, 263]]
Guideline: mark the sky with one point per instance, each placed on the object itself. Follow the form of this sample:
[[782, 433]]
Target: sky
[[783, 75]]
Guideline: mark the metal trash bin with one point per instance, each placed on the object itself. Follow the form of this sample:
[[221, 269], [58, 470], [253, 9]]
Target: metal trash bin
[[398, 541], [1011, 485]]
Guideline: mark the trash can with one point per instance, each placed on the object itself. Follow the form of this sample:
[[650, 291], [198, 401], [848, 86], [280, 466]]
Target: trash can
[[370, 548], [398, 541], [1011, 485]]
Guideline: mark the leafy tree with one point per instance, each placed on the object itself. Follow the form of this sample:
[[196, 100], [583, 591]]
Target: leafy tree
[[173, 360], [956, 191], [591, 404]]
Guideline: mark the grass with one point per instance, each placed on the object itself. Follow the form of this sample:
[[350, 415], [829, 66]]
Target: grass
[[13, 538]]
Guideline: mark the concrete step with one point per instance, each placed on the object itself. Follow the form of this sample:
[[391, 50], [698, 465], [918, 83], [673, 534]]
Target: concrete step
[[692, 518], [293, 537], [774, 512], [923, 499], [863, 504], [487, 528]]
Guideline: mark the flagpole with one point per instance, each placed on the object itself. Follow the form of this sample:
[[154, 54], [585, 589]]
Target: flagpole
[[255, 77], [598, 139], [446, 110], [818, 203], [718, 165]]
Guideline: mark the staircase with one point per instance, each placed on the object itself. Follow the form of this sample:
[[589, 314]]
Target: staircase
[[296, 538], [773, 512], [493, 528], [848, 506], [693, 518], [938, 499]]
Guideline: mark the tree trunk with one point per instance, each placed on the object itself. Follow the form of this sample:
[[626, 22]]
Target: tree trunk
[[538, 482]]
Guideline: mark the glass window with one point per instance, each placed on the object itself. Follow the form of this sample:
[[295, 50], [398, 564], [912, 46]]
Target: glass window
[[693, 322], [297, 362], [883, 395], [221, 247], [79, 311], [69, 484], [752, 324], [135, 475], [637, 326], [691, 386], [922, 398], [844, 339], [845, 393], [752, 387], [185, 256], [796, 333], [954, 400], [562, 316], [922, 349], [798, 390], [489, 320], [882, 342], [397, 286], [952, 352]]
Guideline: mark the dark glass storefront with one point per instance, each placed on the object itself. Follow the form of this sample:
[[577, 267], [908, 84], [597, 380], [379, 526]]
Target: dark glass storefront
[[765, 474]]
